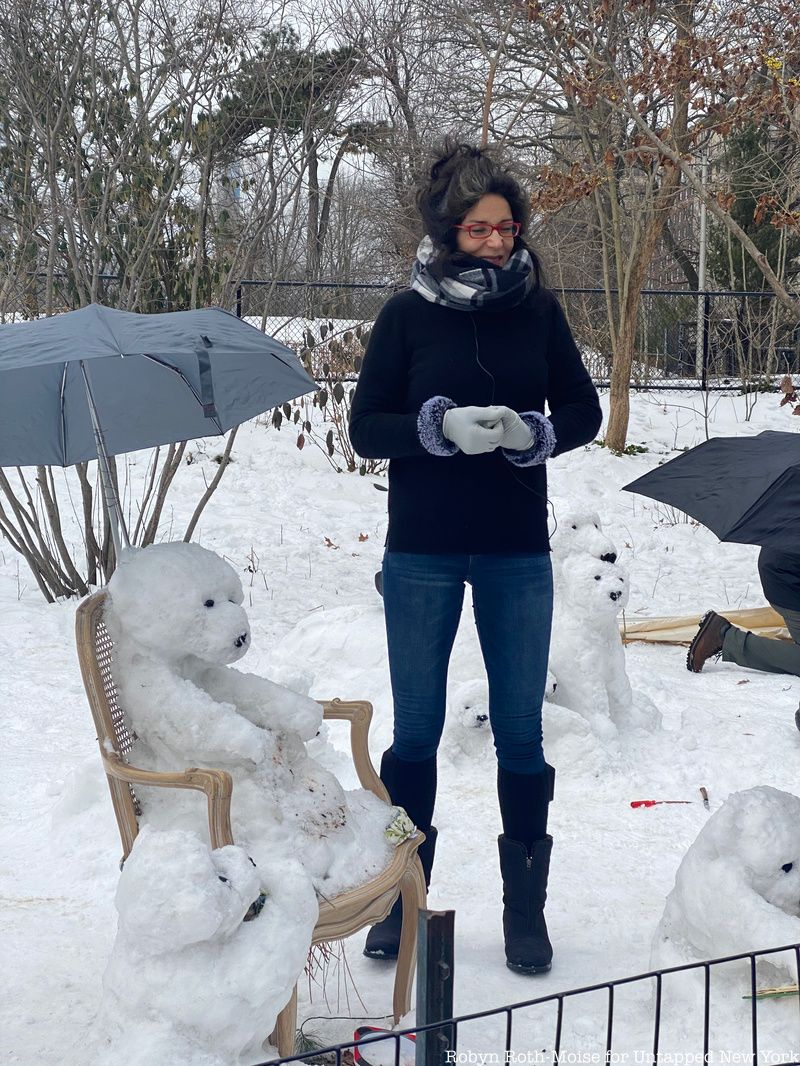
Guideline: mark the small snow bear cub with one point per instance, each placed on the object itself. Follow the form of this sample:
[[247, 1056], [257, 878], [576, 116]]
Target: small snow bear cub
[[175, 615], [469, 731], [587, 656], [188, 980], [737, 888]]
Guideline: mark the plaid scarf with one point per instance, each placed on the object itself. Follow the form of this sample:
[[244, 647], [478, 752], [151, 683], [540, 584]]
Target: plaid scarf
[[471, 283]]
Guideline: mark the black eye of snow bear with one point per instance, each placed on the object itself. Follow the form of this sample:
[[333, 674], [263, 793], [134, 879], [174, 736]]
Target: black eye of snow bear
[[224, 880], [574, 527], [597, 577], [787, 867], [209, 603]]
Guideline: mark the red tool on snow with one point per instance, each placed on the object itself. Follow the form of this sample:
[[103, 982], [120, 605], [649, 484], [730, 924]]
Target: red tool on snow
[[653, 803], [379, 1052]]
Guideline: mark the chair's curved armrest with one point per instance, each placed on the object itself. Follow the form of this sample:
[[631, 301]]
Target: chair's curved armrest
[[359, 714], [216, 784]]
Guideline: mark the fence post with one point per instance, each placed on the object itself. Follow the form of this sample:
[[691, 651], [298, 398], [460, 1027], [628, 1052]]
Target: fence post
[[706, 333], [435, 941], [238, 301]]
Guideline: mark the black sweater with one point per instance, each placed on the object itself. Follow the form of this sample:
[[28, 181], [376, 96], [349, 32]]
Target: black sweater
[[468, 504]]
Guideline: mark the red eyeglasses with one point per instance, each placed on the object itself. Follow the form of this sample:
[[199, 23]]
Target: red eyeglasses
[[481, 230]]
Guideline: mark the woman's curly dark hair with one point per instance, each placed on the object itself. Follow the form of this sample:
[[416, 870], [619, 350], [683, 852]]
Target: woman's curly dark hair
[[460, 175]]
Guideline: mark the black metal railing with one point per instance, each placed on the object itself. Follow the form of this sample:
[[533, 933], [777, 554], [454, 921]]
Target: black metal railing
[[549, 1048]]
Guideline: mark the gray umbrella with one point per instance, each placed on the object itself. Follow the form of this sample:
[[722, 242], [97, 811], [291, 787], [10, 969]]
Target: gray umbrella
[[97, 382]]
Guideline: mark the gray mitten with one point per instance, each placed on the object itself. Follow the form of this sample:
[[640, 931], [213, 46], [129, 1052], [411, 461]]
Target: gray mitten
[[516, 434], [474, 430]]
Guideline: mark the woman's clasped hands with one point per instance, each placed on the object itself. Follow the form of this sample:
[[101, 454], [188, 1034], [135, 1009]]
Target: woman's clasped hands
[[476, 430]]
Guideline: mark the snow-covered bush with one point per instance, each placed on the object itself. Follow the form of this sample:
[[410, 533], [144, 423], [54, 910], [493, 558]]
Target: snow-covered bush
[[334, 362]]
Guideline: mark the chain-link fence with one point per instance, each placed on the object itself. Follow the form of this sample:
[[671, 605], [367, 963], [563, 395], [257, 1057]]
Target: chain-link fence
[[684, 339], [27, 296]]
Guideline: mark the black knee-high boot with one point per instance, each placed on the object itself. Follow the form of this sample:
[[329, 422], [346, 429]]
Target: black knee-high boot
[[525, 864], [411, 785]]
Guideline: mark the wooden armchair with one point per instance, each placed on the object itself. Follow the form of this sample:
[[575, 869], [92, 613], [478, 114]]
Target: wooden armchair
[[340, 916]]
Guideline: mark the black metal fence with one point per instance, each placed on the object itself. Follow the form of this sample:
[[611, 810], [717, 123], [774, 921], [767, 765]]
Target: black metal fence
[[684, 339], [722, 1017], [717, 340]]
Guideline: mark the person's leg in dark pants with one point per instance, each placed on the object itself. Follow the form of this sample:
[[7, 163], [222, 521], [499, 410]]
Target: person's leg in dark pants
[[513, 600], [422, 596], [763, 653]]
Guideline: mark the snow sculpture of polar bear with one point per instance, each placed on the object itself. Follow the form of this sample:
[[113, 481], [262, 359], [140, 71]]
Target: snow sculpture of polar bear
[[737, 888], [188, 980], [586, 655], [175, 614], [581, 533]]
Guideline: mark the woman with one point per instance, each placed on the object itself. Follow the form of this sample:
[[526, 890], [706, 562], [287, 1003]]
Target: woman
[[452, 391]]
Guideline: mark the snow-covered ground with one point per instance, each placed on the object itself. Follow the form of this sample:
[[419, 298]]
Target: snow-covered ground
[[312, 541]]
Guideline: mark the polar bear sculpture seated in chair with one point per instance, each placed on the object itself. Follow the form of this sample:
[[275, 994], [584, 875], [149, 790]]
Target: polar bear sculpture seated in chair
[[175, 614]]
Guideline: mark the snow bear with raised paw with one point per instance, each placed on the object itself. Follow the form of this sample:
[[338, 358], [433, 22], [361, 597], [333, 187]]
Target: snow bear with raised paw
[[188, 979], [737, 888], [175, 614], [587, 655]]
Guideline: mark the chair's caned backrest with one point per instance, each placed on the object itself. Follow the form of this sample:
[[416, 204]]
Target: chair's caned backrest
[[122, 735], [114, 735]]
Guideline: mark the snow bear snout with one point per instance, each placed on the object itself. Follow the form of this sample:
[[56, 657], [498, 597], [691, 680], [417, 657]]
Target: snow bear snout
[[241, 640]]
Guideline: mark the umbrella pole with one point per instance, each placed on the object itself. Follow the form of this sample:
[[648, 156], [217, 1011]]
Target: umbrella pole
[[119, 531]]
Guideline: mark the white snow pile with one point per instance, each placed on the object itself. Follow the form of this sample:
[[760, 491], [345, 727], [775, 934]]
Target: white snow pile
[[188, 980], [737, 888], [175, 614], [587, 656], [307, 544]]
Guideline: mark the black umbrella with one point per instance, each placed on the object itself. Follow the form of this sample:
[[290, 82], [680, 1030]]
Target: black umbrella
[[745, 489]]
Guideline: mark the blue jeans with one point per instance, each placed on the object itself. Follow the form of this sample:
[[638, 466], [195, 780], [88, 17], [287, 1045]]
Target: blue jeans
[[512, 599]]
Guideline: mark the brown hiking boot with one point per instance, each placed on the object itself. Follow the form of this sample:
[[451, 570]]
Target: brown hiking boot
[[707, 641]]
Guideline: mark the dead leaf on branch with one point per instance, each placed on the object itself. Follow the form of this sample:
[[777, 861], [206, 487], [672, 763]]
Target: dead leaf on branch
[[789, 391]]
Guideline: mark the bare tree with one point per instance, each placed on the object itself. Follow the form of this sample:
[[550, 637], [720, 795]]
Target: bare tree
[[742, 66], [121, 130], [544, 70]]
